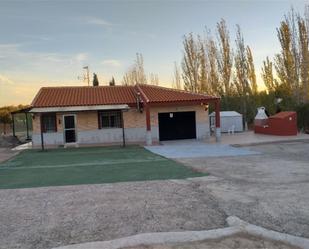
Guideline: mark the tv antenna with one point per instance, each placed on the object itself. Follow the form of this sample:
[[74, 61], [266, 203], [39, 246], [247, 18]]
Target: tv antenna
[[85, 76]]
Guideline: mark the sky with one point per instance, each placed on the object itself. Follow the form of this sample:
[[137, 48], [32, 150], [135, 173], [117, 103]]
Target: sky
[[47, 43]]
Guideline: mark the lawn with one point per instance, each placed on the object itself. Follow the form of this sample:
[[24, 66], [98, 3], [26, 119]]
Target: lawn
[[57, 167]]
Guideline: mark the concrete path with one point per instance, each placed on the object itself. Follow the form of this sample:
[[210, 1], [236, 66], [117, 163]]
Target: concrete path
[[194, 148], [249, 138]]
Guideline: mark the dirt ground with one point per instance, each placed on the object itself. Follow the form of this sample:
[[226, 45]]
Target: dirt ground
[[234, 242], [269, 190]]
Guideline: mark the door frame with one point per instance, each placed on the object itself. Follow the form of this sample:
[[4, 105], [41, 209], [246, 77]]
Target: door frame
[[75, 128]]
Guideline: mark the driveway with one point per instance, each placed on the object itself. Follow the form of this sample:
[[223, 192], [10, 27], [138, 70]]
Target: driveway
[[270, 189], [194, 148]]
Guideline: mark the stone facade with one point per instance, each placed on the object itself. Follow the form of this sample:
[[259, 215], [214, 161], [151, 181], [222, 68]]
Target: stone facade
[[88, 131]]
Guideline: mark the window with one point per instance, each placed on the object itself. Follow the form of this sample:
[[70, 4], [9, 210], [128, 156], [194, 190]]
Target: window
[[110, 119], [49, 123]]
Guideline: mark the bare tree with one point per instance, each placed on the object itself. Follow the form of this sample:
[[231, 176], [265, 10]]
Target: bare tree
[[224, 58], [129, 77], [136, 74], [268, 76], [251, 72], [241, 80], [154, 79], [190, 63], [176, 77], [213, 75]]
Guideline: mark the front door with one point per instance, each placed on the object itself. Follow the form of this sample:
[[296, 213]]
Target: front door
[[69, 129]]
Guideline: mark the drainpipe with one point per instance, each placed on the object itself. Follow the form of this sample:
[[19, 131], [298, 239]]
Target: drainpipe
[[218, 129], [148, 126], [42, 135], [123, 132]]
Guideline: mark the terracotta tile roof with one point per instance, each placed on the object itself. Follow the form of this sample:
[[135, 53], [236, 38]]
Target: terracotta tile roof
[[109, 95], [158, 94], [81, 96]]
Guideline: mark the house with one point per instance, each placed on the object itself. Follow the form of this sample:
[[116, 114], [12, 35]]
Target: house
[[114, 114]]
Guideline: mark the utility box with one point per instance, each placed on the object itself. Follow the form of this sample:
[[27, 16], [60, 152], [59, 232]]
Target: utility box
[[230, 121], [281, 124]]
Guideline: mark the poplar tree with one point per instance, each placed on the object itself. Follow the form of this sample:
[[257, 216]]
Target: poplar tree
[[251, 72], [268, 76], [224, 58], [177, 77], [190, 63]]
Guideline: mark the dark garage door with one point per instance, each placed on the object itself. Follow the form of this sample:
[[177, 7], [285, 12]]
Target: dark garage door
[[177, 125]]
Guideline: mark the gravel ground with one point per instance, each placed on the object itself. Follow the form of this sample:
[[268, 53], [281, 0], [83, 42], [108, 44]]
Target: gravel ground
[[49, 217], [268, 190], [233, 242]]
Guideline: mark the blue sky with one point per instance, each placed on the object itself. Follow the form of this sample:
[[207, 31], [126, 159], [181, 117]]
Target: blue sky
[[46, 43]]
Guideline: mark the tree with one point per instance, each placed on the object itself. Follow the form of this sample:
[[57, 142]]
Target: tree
[[129, 77], [136, 74], [304, 57], [268, 76], [95, 81], [154, 79], [213, 75], [241, 80], [224, 58], [190, 63], [176, 77], [139, 69], [251, 72], [112, 82], [203, 80]]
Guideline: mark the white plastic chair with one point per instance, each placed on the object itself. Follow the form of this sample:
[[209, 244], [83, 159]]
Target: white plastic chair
[[231, 130]]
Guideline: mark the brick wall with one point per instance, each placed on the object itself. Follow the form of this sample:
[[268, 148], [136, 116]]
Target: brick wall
[[200, 113], [88, 121], [134, 119]]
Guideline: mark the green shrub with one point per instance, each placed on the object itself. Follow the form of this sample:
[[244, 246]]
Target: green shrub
[[303, 117]]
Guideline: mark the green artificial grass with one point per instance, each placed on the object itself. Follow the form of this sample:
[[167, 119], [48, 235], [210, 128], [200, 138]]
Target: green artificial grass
[[58, 167]]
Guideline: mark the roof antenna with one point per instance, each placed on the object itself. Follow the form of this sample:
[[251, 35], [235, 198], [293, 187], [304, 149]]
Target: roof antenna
[[85, 77]]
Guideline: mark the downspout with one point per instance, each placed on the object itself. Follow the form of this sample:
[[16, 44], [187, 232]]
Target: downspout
[[123, 134], [147, 110], [42, 135], [218, 129]]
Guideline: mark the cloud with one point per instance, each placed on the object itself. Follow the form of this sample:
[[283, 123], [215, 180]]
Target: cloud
[[81, 57], [111, 63], [13, 56], [5, 80], [98, 21]]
